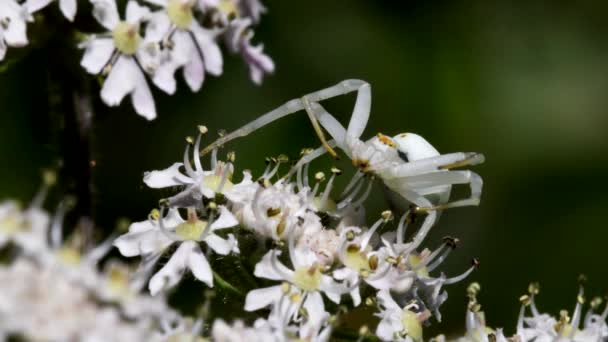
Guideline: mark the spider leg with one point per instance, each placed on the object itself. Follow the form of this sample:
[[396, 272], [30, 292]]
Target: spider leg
[[445, 178], [430, 219], [441, 162], [296, 105]]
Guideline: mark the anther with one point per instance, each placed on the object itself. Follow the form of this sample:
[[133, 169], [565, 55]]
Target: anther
[[364, 330], [595, 302], [534, 288], [525, 300], [387, 215], [231, 156], [203, 129], [49, 177], [336, 171], [190, 140], [154, 214], [319, 176], [475, 262], [451, 241], [370, 301]]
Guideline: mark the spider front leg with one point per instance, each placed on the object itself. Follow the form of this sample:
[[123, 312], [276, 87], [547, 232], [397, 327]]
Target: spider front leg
[[296, 105], [441, 162], [442, 179]]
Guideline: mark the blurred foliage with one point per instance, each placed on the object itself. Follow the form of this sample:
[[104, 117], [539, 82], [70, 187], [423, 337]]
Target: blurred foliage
[[524, 82]]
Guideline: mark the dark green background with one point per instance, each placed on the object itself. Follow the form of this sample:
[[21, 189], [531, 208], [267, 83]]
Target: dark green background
[[525, 83]]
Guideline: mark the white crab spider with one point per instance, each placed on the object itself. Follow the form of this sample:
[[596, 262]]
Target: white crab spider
[[410, 167]]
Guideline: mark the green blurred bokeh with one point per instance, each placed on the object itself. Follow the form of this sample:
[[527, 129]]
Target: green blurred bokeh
[[525, 83]]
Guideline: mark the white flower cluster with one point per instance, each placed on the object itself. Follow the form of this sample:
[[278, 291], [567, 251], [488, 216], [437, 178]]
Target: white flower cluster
[[152, 42], [321, 247], [52, 289], [539, 327]]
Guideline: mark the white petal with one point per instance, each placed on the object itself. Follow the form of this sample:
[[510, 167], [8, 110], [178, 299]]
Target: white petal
[[315, 307], [219, 245], [265, 268], [198, 264], [194, 71], [164, 77], [15, 32], [225, 220], [141, 243], [68, 8], [385, 330], [106, 13], [143, 102], [97, 54], [166, 178], [120, 82], [136, 13], [260, 298], [386, 300], [158, 26], [36, 5], [212, 55], [172, 272], [2, 49]]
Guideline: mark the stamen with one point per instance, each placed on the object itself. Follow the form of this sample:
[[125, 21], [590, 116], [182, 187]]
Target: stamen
[[213, 159], [343, 203], [352, 183], [328, 187], [305, 175], [195, 154], [224, 178], [57, 224], [368, 235], [365, 194], [49, 178], [255, 204], [576, 316], [456, 279], [401, 228], [275, 169], [187, 164]]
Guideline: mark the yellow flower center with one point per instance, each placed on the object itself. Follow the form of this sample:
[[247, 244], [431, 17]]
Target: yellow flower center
[[356, 259], [126, 38], [307, 279], [118, 281], [329, 206], [191, 230], [180, 13], [10, 224], [229, 8], [414, 260], [213, 182], [411, 325], [69, 256]]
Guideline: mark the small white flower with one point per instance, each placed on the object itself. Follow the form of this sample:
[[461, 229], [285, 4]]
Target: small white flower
[[27, 229], [67, 7], [124, 53], [12, 26], [238, 38], [197, 181], [306, 278], [152, 237], [397, 323], [189, 45]]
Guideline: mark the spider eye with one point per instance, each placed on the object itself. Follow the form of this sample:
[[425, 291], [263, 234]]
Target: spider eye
[[403, 156]]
